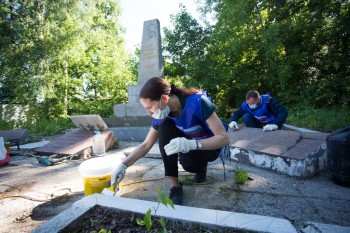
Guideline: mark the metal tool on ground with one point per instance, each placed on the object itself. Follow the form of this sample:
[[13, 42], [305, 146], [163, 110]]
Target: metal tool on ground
[[51, 160]]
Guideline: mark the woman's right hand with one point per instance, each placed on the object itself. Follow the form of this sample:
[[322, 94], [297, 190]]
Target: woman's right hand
[[140, 151], [118, 173], [233, 124]]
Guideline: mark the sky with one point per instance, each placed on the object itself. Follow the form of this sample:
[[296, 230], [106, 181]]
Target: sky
[[135, 12]]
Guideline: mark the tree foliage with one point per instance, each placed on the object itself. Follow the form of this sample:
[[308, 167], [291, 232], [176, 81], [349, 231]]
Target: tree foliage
[[64, 57], [186, 46], [295, 50]]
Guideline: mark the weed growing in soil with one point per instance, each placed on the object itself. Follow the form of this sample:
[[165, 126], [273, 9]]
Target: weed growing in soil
[[242, 176], [225, 191], [186, 180], [147, 219]]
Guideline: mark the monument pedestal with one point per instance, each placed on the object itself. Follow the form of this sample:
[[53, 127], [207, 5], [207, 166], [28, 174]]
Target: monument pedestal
[[133, 93], [131, 114]]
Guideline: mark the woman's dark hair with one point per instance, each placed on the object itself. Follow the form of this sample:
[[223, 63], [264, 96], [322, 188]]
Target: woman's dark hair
[[155, 87]]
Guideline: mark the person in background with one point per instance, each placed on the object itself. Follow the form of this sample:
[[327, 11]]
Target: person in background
[[260, 111], [187, 129]]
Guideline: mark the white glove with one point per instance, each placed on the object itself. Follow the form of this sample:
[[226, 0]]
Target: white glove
[[118, 173], [270, 127], [182, 145], [233, 124]]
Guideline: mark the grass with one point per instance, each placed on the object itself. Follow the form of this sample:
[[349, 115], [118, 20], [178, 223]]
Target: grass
[[323, 119]]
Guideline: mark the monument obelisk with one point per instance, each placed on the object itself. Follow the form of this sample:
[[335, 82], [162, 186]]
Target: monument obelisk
[[150, 65]]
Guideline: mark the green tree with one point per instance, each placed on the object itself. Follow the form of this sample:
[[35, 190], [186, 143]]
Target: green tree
[[294, 50], [185, 49], [63, 57]]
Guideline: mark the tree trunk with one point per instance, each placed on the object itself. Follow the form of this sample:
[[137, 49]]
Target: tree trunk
[[65, 97]]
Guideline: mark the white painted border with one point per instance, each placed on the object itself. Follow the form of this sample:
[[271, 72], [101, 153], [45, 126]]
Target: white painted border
[[217, 218]]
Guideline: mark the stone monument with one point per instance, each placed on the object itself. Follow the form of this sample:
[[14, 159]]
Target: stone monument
[[151, 60], [133, 113]]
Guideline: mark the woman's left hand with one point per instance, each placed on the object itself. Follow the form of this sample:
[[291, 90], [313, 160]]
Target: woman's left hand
[[180, 144]]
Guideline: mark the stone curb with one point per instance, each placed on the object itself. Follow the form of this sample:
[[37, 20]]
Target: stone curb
[[212, 217]]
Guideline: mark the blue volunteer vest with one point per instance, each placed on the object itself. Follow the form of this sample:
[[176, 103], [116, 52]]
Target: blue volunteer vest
[[191, 121], [261, 113], [192, 124]]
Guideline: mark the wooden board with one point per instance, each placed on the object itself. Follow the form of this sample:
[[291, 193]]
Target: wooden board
[[89, 122]]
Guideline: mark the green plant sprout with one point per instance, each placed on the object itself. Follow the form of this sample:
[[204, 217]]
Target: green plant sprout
[[242, 176], [186, 180], [147, 219], [104, 230]]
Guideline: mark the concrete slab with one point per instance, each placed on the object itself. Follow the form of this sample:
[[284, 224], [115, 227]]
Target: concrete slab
[[300, 154], [303, 148], [76, 142], [275, 142]]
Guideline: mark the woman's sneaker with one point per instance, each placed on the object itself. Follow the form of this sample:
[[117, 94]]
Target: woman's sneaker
[[176, 195]]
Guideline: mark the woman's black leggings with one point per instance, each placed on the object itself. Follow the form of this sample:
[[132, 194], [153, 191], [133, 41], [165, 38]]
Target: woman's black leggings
[[194, 161]]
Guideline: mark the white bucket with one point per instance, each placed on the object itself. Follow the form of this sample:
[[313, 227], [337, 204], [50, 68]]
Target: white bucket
[[97, 172]]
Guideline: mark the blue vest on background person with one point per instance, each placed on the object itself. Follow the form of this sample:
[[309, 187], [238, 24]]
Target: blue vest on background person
[[191, 121], [261, 113]]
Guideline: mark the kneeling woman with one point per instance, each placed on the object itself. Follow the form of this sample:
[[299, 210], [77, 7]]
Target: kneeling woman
[[187, 127]]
